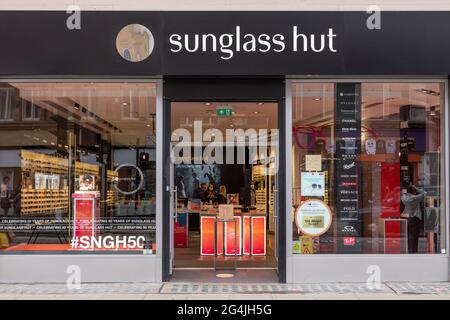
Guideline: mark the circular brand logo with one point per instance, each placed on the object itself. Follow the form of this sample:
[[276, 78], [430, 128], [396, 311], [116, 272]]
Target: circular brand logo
[[130, 180], [135, 42]]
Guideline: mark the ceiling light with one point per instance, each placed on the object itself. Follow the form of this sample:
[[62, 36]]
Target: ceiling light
[[207, 103], [317, 99], [148, 125], [124, 103], [260, 103], [255, 112]]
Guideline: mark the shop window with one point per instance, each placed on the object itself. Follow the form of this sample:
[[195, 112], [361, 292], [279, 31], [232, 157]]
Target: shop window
[[367, 168], [77, 180], [6, 104], [30, 111]]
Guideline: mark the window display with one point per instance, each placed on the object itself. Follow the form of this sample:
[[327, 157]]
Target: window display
[[372, 153], [78, 176]]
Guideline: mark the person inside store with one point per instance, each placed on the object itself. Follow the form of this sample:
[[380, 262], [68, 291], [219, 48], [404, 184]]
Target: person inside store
[[5, 200], [414, 200], [222, 195], [181, 190], [195, 185], [202, 193], [210, 193]]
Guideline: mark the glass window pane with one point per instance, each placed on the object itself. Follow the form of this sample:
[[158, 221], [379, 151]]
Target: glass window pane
[[82, 171], [367, 168]]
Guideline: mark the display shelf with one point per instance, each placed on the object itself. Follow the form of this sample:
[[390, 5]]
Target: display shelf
[[44, 181]]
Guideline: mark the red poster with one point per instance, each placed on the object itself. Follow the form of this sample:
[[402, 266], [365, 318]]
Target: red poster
[[392, 231], [207, 236], [233, 239], [180, 235], [390, 190], [246, 234], [258, 236], [83, 217]]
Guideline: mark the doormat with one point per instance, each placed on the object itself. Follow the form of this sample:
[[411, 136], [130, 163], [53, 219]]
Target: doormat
[[220, 288]]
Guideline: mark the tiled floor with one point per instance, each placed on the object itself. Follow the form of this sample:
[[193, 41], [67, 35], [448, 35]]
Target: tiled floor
[[239, 276]]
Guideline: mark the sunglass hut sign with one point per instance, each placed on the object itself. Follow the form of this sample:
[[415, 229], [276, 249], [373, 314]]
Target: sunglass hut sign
[[226, 45]]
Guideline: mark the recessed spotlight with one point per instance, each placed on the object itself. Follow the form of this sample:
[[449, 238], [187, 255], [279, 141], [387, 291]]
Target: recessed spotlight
[[255, 112], [231, 125], [124, 103], [317, 99], [148, 125], [260, 103], [207, 103]]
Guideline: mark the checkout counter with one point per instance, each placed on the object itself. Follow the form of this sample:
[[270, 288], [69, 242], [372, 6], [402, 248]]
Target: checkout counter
[[249, 238], [246, 235]]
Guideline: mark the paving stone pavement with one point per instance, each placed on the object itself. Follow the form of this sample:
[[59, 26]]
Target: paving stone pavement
[[226, 291]]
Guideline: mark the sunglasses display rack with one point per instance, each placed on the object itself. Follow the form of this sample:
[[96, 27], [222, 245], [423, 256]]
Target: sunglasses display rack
[[259, 181], [111, 194], [44, 184], [82, 168]]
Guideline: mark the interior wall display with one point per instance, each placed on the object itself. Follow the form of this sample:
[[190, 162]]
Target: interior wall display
[[313, 162], [313, 184], [391, 146], [347, 131], [86, 182], [370, 146], [189, 177], [42, 192], [313, 218], [233, 198]]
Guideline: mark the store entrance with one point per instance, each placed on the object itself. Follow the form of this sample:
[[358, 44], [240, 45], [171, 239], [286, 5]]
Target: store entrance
[[224, 190]]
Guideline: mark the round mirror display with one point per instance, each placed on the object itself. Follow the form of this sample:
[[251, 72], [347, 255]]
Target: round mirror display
[[135, 42]]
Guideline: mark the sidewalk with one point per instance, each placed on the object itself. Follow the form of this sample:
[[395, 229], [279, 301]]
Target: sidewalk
[[214, 291]]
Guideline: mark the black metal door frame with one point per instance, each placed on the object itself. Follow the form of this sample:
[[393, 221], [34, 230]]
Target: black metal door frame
[[221, 90]]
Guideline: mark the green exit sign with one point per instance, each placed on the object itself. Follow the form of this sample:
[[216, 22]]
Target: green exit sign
[[224, 111]]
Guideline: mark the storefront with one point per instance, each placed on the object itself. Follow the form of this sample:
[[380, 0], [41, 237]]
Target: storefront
[[311, 145]]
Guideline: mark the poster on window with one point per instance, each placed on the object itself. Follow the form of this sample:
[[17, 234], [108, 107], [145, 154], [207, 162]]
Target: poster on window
[[313, 218], [312, 184], [347, 131]]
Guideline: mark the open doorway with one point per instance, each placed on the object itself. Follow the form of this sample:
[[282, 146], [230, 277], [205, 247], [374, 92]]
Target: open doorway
[[224, 190]]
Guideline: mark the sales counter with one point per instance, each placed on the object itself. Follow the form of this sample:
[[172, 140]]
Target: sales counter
[[249, 238]]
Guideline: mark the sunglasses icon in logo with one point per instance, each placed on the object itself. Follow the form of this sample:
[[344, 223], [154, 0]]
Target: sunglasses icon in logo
[[135, 42]]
